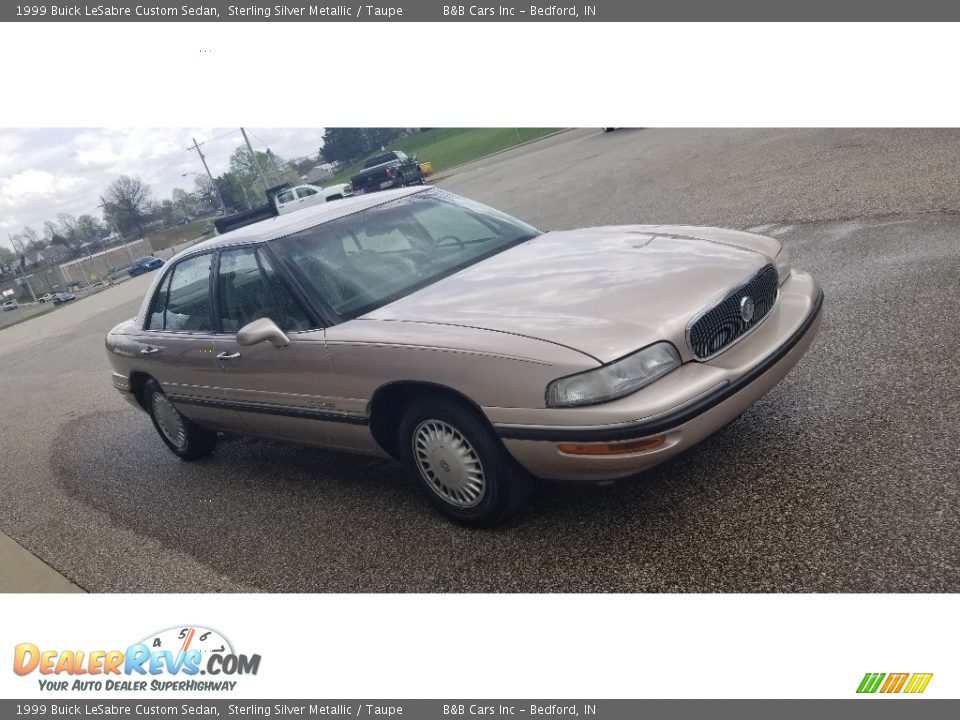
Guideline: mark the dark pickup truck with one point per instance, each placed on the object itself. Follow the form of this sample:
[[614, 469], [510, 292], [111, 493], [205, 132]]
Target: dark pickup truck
[[390, 170]]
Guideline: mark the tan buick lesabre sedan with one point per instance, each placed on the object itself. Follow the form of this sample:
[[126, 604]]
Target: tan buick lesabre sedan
[[423, 326]]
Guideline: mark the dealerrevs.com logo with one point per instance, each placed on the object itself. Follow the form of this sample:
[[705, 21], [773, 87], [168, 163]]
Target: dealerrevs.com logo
[[172, 659]]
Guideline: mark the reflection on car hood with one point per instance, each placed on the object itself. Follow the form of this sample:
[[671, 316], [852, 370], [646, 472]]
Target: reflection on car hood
[[604, 291]]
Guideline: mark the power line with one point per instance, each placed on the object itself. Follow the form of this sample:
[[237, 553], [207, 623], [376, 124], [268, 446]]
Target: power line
[[215, 137]]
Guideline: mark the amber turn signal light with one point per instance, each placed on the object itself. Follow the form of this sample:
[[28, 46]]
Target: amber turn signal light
[[622, 448]]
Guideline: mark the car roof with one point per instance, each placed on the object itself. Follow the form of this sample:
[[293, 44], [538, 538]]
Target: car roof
[[282, 225]]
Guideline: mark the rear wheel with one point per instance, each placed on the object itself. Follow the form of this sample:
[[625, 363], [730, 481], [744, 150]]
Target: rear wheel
[[459, 463], [185, 438]]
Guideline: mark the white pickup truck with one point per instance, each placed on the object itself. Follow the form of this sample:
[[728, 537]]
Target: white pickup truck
[[284, 199], [303, 196]]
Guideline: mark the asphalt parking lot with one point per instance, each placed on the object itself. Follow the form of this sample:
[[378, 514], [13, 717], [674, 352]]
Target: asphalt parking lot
[[843, 478]]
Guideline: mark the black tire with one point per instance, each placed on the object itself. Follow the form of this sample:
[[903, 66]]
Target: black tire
[[505, 485], [401, 181], [196, 442]]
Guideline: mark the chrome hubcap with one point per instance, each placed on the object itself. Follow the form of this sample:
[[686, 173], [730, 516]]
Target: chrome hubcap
[[169, 419], [448, 463]]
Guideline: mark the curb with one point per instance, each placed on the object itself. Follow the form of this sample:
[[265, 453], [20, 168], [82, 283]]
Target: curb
[[24, 572]]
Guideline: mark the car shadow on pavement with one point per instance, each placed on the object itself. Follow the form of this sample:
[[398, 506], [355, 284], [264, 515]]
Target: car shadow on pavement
[[288, 518]]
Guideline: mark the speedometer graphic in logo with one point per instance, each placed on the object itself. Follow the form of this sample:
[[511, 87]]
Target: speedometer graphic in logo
[[184, 639]]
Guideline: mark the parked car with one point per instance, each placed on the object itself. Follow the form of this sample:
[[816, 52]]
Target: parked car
[[10, 305], [391, 170], [61, 298], [144, 265], [281, 200], [45, 298], [423, 326]]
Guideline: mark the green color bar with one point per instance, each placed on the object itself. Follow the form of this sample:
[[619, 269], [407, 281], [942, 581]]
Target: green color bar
[[871, 682]]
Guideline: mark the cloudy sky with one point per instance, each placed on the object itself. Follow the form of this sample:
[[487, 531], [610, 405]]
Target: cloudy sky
[[46, 171]]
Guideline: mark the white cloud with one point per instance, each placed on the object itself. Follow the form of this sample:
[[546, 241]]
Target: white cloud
[[47, 171], [31, 185]]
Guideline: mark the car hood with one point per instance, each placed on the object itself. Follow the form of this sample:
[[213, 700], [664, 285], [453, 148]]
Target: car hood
[[604, 291]]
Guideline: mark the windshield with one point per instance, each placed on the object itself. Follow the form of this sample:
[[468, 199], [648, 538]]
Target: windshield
[[357, 263]]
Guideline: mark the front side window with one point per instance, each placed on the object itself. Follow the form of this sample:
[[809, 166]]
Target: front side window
[[305, 192], [248, 288], [357, 263], [182, 302]]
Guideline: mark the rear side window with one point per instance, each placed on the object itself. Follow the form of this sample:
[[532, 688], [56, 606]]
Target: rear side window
[[249, 288], [285, 197], [381, 159], [182, 303]]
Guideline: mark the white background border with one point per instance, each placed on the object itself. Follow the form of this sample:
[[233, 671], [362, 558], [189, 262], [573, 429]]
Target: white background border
[[522, 646], [481, 74], [486, 74]]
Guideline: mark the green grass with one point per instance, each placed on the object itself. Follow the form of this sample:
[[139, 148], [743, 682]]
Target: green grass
[[176, 235], [445, 148]]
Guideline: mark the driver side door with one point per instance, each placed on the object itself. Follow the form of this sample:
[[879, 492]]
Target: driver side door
[[279, 392]]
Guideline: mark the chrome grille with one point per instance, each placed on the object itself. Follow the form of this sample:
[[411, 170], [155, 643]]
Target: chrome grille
[[728, 321]]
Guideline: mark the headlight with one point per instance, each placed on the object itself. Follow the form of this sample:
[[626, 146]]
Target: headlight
[[615, 380], [783, 264]]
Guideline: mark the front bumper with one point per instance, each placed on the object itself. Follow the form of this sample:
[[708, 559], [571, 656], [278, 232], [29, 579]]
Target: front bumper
[[683, 408]]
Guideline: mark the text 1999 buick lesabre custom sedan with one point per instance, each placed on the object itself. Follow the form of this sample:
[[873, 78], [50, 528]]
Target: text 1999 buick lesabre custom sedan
[[417, 324]]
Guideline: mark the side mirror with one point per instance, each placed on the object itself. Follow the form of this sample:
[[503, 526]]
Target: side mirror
[[262, 330]]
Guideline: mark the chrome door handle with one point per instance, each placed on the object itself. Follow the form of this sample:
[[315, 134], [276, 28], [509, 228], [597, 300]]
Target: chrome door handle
[[149, 350], [227, 356]]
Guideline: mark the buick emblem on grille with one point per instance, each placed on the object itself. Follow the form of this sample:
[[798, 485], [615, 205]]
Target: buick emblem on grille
[[722, 324]]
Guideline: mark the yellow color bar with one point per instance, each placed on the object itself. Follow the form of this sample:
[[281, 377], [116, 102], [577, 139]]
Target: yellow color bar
[[918, 682]]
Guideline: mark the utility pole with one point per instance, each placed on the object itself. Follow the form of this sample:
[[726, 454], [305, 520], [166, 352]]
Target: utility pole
[[26, 281], [253, 156], [245, 198], [196, 146], [273, 164], [123, 241]]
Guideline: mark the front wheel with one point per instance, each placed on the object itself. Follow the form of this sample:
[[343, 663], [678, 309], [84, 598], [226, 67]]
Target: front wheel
[[185, 438], [460, 464]]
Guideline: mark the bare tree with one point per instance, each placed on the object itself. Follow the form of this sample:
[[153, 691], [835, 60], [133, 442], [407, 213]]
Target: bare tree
[[205, 190], [127, 202], [7, 258], [185, 202], [50, 230]]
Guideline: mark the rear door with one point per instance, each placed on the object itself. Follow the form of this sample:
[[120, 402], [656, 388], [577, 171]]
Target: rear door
[[178, 348]]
